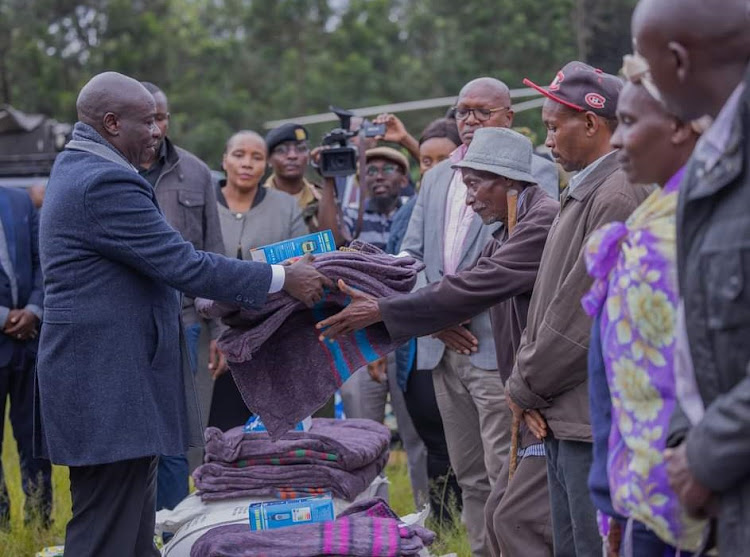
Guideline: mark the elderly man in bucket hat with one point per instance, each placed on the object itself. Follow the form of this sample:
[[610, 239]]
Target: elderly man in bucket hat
[[497, 161]]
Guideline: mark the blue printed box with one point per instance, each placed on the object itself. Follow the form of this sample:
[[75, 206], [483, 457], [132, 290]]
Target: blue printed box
[[269, 515], [318, 242]]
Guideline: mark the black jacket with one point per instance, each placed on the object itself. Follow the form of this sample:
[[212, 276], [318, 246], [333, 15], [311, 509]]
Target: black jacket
[[713, 243]]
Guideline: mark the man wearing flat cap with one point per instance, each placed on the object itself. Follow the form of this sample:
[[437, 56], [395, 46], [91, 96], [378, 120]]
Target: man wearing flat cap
[[497, 161], [548, 387], [289, 155]]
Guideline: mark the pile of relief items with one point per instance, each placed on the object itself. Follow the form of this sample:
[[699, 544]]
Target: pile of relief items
[[340, 457]]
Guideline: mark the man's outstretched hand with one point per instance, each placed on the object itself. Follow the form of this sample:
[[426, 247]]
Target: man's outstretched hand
[[304, 282], [361, 312]]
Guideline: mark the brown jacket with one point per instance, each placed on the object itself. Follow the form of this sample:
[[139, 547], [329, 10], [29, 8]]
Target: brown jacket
[[502, 279], [550, 373]]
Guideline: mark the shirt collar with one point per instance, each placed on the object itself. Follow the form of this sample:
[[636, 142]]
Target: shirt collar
[[259, 195], [715, 141], [459, 153], [581, 176]]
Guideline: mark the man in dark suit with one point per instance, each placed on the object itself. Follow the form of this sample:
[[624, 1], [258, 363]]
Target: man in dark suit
[[20, 315], [112, 392]]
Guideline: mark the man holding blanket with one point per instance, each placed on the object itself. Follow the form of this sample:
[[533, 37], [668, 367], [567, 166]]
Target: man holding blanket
[[115, 389], [497, 161]]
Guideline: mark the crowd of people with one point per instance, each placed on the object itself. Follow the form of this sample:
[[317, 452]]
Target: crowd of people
[[572, 370]]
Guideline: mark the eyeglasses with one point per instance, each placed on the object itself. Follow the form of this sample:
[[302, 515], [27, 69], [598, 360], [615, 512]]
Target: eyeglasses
[[480, 114], [387, 170], [286, 148]]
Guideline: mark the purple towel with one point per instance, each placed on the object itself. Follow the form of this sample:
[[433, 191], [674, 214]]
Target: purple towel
[[283, 372], [357, 534], [221, 481], [346, 444]]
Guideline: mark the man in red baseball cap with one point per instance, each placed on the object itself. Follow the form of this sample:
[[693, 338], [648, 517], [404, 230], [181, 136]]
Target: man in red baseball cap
[[548, 387]]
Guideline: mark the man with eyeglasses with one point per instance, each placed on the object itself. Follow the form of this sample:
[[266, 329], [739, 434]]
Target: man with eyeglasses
[[449, 237], [288, 155]]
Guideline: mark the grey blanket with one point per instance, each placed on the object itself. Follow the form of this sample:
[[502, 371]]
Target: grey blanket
[[222, 481], [370, 529], [346, 444], [283, 372]]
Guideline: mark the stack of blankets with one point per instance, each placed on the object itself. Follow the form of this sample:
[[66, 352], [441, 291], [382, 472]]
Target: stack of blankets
[[282, 370], [341, 457], [366, 529]]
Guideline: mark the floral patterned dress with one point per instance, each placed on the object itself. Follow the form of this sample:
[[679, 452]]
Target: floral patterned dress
[[635, 293]]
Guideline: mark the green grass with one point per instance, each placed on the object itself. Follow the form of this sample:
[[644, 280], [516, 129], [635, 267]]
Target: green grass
[[25, 541]]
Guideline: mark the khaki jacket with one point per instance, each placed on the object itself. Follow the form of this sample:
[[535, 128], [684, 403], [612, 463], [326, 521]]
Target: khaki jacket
[[550, 373]]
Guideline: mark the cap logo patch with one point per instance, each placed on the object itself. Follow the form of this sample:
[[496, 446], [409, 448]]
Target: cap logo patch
[[595, 100], [555, 85], [299, 133]]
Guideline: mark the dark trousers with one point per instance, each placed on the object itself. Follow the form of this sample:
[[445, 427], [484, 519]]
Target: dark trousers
[[114, 509], [425, 415], [574, 529], [17, 383]]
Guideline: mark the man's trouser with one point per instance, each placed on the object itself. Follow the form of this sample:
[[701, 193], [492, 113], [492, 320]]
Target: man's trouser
[[477, 425], [517, 512], [17, 384], [114, 510], [574, 528]]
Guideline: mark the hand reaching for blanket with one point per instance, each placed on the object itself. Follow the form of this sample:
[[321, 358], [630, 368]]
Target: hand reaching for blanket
[[362, 311], [304, 282]]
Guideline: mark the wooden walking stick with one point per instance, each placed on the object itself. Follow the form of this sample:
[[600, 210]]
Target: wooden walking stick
[[512, 198]]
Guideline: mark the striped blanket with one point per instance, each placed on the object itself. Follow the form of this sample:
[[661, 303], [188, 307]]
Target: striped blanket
[[282, 370], [369, 529]]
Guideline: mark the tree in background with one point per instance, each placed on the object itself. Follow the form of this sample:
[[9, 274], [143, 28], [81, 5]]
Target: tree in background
[[233, 64]]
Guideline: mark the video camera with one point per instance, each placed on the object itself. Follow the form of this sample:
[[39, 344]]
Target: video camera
[[340, 158]]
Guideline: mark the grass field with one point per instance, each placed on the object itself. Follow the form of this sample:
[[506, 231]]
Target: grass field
[[22, 541]]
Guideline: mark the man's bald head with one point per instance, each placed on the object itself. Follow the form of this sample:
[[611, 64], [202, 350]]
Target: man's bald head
[[489, 86], [122, 111], [697, 50], [482, 103]]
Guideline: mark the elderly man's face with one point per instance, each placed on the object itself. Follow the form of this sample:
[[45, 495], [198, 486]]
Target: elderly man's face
[[136, 134], [480, 107], [487, 194]]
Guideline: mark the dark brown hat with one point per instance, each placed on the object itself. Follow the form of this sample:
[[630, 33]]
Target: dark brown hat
[[583, 88]]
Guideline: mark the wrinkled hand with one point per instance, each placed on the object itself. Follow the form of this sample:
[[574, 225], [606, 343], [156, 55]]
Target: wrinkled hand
[[217, 364], [362, 311], [536, 423], [697, 499], [21, 324], [395, 131], [378, 370], [304, 282], [459, 339]]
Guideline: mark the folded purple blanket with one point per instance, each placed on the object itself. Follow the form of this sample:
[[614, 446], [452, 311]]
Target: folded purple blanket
[[346, 444], [283, 372], [222, 481], [370, 531]]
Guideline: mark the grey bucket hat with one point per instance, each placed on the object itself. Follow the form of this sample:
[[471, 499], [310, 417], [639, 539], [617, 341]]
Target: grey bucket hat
[[500, 151]]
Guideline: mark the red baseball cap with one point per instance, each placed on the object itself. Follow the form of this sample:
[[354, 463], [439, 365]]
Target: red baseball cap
[[583, 88]]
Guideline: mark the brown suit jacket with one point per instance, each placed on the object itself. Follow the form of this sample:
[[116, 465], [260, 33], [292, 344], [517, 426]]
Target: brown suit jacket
[[502, 279], [551, 371]]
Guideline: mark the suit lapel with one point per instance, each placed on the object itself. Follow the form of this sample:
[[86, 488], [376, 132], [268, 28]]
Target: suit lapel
[[441, 201]]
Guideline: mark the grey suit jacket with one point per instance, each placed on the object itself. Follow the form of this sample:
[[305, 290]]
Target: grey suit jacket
[[424, 240]]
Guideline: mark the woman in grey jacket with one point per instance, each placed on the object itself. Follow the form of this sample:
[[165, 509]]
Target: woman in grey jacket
[[251, 216]]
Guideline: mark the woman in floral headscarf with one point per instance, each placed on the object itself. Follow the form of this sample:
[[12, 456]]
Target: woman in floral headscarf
[[631, 360]]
